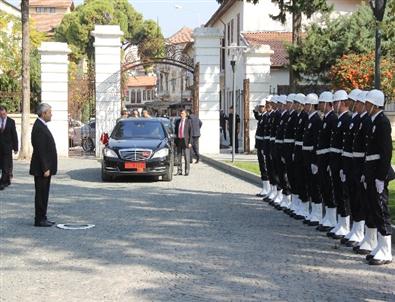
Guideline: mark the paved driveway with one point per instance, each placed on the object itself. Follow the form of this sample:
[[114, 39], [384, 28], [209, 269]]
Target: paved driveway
[[199, 238]]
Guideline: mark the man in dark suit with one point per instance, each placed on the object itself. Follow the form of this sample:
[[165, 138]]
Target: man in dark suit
[[8, 142], [183, 131], [196, 124], [230, 129], [44, 163]]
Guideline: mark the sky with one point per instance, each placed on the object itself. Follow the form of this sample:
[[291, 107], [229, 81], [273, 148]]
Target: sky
[[171, 14]]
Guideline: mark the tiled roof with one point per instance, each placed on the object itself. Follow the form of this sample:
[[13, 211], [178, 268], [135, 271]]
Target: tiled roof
[[51, 3], [141, 81], [184, 35], [276, 41], [46, 22]]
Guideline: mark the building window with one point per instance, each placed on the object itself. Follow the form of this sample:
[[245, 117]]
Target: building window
[[232, 26], [144, 95], [223, 54], [182, 84], [228, 34], [138, 97], [161, 83], [45, 10], [238, 29], [173, 85], [167, 82]]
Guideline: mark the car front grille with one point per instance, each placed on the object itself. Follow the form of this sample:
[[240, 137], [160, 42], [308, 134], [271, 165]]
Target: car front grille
[[135, 154]]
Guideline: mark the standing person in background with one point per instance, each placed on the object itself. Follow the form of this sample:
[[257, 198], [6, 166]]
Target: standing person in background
[[196, 125], [44, 164], [222, 122], [230, 128], [183, 131], [8, 142], [135, 113], [146, 113]]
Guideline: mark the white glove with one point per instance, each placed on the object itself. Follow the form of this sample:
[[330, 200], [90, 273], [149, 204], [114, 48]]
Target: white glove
[[362, 178], [379, 186], [314, 169], [293, 156], [283, 160], [342, 176]]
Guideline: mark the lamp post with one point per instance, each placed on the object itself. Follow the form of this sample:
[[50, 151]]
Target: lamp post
[[235, 52], [378, 7]]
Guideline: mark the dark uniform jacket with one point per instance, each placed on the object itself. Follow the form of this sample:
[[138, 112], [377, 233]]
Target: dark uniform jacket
[[350, 134], [337, 139], [289, 132], [310, 137], [379, 150], [360, 137], [9, 137], [44, 150], [299, 131], [267, 131], [260, 129], [275, 122]]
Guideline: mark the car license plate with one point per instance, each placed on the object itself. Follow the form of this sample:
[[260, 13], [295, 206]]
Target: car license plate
[[139, 166]]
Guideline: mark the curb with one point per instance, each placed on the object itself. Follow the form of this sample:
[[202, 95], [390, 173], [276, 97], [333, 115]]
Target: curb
[[248, 176], [241, 174]]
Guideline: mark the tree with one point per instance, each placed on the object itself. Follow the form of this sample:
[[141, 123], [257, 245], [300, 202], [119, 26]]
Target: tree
[[357, 71], [326, 42], [297, 8]]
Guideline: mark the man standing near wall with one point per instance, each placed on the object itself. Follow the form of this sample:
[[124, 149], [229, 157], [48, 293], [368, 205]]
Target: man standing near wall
[[196, 125], [8, 143]]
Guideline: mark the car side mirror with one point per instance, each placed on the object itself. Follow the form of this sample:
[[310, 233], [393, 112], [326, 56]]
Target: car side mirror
[[104, 138]]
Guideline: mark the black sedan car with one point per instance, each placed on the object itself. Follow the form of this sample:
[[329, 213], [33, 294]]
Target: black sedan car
[[138, 147]]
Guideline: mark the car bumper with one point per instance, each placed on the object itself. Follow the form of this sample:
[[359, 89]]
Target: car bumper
[[154, 167]]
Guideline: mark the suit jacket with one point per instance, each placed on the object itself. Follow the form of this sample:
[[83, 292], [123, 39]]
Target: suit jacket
[[44, 155], [187, 139], [196, 125], [9, 137]]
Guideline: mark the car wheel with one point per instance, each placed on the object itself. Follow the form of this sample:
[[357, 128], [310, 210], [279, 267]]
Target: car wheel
[[169, 173], [87, 145], [104, 176]]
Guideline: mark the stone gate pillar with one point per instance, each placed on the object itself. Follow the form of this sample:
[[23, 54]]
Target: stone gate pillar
[[207, 54], [54, 90], [108, 78], [257, 70]]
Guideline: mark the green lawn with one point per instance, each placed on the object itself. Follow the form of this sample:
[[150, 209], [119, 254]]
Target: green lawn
[[253, 167]]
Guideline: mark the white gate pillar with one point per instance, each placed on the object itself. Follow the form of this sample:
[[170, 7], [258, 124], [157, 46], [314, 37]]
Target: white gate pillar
[[54, 91], [257, 69], [207, 54], [108, 78]]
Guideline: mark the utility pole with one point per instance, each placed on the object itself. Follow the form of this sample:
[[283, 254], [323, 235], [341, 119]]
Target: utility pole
[[24, 152]]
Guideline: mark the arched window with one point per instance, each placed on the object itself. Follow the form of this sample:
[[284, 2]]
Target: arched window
[[138, 97], [133, 96]]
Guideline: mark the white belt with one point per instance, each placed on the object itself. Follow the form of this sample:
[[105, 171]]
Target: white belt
[[289, 141], [323, 151], [358, 154], [347, 154], [259, 137], [266, 137], [373, 157], [272, 139], [278, 141], [308, 148], [336, 150]]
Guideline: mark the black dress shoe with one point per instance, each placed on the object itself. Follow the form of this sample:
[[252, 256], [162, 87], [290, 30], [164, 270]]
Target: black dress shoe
[[299, 217], [344, 240], [323, 228], [334, 236], [305, 221], [379, 262], [352, 243], [355, 248], [369, 257], [186, 174], [179, 173], [51, 222], [313, 223], [2, 187], [330, 234], [362, 251], [259, 195], [197, 161], [43, 223]]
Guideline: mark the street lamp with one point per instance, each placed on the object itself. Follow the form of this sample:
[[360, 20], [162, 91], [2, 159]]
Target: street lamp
[[235, 53], [378, 7]]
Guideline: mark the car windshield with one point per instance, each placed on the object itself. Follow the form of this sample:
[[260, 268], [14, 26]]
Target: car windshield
[[138, 129]]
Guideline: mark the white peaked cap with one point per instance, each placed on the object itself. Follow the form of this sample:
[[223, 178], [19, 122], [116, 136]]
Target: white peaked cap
[[282, 99], [326, 97], [275, 99], [300, 98], [340, 95], [361, 96], [311, 98], [263, 102], [354, 94], [376, 97], [291, 97]]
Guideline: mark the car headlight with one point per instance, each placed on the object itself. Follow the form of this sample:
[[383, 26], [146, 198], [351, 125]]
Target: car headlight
[[161, 153], [109, 153]]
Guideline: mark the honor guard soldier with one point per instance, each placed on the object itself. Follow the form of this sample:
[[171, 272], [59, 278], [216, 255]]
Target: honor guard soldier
[[329, 123], [344, 117], [261, 116], [288, 150], [359, 205], [302, 209], [283, 199], [275, 122], [270, 109], [309, 148], [378, 172], [349, 188]]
